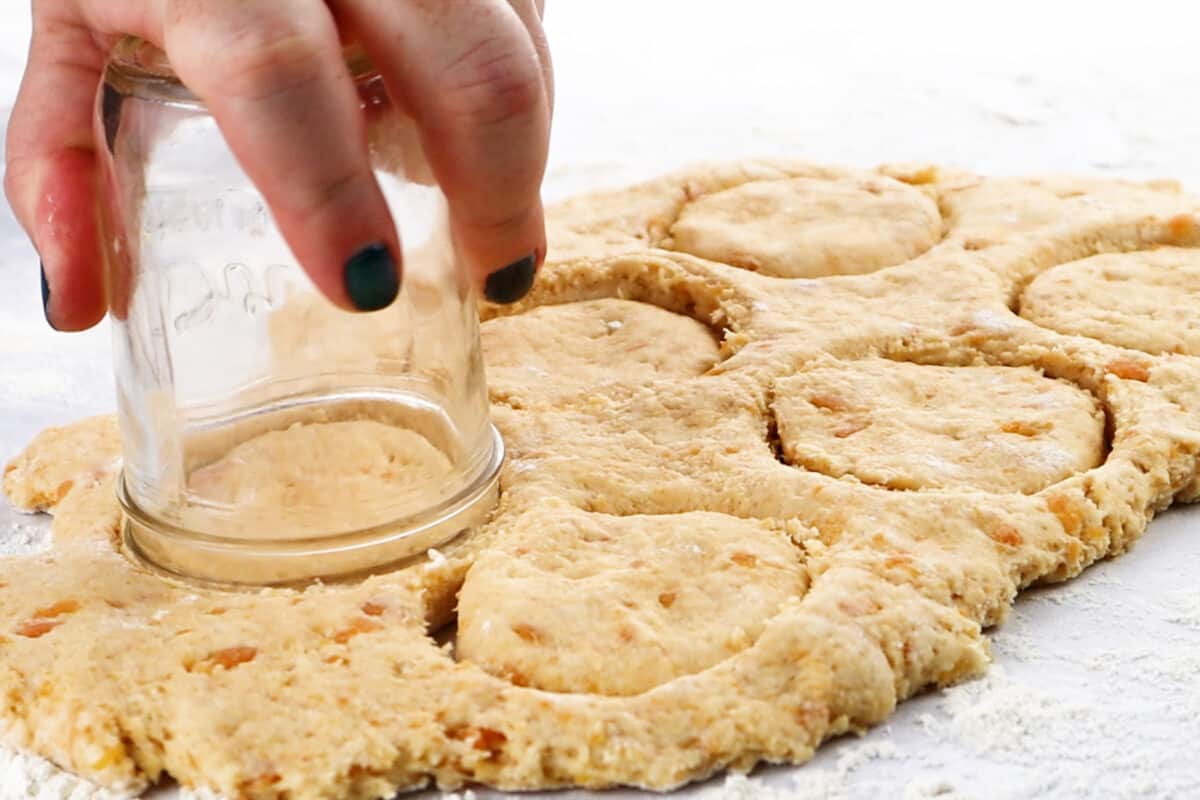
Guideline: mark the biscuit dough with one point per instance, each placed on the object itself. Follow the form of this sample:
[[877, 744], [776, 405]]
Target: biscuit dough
[[270, 479], [911, 426], [1147, 301], [623, 604], [741, 514], [593, 342], [808, 228]]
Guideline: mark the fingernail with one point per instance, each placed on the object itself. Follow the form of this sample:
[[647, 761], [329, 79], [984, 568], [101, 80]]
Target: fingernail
[[372, 280], [46, 297], [110, 114], [510, 284]]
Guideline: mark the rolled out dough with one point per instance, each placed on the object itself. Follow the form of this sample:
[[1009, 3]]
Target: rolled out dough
[[779, 449]]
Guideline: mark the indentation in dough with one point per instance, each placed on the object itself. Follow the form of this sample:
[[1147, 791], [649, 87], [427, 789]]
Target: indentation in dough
[[572, 601], [983, 213], [596, 341], [911, 426], [1148, 301], [318, 478], [808, 228]]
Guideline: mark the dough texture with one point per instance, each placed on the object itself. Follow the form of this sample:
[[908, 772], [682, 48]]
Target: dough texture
[[630, 602], [1144, 301], [271, 479], [779, 451], [593, 342], [911, 426], [809, 228]]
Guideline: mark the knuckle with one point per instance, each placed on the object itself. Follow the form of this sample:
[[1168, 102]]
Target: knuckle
[[260, 61], [494, 82], [45, 10], [263, 65], [498, 222], [332, 192]]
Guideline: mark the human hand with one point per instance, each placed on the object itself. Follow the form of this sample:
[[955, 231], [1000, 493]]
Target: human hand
[[474, 74]]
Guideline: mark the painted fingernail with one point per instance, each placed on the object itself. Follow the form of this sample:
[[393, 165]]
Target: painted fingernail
[[110, 114], [46, 297], [372, 280], [510, 284]]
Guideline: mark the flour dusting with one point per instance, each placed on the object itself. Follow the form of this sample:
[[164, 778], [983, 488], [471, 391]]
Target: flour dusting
[[934, 789], [815, 786], [27, 777], [1185, 608], [24, 537]]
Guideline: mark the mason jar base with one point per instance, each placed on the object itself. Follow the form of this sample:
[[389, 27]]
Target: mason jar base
[[228, 561]]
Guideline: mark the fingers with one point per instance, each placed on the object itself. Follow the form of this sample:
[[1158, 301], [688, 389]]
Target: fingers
[[531, 13], [49, 178], [470, 74], [50, 173], [475, 73], [285, 102]]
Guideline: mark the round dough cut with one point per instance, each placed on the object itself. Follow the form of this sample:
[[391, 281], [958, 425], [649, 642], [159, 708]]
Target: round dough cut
[[982, 213], [571, 601], [370, 473], [1148, 301], [596, 341], [809, 228], [911, 426]]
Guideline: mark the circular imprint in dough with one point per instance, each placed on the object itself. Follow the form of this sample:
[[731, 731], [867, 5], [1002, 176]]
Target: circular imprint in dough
[[911, 426], [1148, 301], [571, 601], [809, 228], [312, 479], [595, 341]]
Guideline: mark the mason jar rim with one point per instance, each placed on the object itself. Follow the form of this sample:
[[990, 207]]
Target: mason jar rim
[[140, 68]]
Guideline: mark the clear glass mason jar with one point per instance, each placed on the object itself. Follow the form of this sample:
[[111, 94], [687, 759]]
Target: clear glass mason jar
[[270, 437]]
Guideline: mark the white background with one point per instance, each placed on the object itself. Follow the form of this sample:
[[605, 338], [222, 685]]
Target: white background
[[1097, 691]]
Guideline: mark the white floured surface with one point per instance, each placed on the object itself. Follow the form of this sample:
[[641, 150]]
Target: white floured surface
[[1096, 693], [25, 777], [24, 536]]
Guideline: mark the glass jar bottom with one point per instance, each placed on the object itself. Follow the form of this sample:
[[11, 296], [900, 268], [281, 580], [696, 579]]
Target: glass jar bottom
[[315, 487]]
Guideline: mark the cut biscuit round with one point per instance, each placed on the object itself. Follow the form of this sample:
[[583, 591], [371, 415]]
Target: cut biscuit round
[[594, 341], [1148, 301], [912, 426], [571, 601], [371, 473], [810, 228]]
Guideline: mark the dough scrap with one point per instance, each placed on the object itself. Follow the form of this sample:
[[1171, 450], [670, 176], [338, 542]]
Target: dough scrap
[[596, 646], [595, 341], [1148, 301], [47, 470]]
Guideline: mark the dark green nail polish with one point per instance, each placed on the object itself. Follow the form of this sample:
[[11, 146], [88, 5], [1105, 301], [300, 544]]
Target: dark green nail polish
[[46, 296], [372, 280], [510, 284], [110, 114]]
